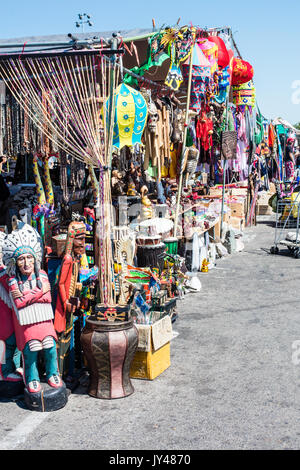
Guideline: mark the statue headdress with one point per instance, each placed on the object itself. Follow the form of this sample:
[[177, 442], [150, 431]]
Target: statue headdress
[[24, 239], [75, 229]]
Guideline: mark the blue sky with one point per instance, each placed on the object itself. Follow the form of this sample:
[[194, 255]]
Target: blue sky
[[266, 32]]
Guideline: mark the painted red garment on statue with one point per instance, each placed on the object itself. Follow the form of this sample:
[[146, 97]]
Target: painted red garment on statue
[[63, 293], [204, 125], [33, 303], [6, 316]]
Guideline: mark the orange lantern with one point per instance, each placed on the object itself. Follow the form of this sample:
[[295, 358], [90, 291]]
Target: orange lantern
[[242, 71]]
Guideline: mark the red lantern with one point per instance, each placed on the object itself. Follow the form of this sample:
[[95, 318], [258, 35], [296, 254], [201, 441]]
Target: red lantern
[[242, 71], [223, 56]]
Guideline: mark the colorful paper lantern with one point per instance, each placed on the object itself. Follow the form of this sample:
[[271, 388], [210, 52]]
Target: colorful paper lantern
[[130, 116], [244, 95], [223, 56], [242, 71], [210, 50]]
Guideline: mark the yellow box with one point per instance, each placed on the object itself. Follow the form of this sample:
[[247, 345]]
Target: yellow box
[[149, 365]]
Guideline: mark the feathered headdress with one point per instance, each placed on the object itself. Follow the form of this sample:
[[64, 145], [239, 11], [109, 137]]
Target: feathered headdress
[[24, 239]]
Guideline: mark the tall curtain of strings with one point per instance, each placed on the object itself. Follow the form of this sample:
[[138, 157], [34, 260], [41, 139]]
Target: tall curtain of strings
[[63, 97]]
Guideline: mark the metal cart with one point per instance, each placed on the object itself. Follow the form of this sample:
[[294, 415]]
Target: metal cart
[[287, 225]]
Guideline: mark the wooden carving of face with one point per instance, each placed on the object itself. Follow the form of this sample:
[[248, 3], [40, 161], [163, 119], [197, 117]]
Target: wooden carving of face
[[79, 244], [25, 264]]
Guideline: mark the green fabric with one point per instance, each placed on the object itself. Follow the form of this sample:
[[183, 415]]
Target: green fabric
[[258, 136], [162, 56], [189, 139], [281, 129], [152, 170]]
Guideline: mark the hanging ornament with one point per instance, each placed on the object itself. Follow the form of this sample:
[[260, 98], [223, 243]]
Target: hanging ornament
[[210, 50], [242, 71], [130, 116], [244, 95], [223, 56]]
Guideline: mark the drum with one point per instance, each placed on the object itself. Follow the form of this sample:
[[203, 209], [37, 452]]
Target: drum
[[151, 256], [171, 245], [148, 240]]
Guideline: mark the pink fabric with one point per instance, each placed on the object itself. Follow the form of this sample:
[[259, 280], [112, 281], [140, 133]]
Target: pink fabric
[[289, 170], [6, 319]]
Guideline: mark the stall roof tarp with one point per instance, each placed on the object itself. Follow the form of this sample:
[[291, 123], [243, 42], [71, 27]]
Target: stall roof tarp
[[282, 122]]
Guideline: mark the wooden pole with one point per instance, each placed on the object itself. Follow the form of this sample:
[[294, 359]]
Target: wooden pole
[[184, 140]]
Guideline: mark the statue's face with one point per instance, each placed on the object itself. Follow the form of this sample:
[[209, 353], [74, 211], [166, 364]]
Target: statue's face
[[79, 245], [25, 264]]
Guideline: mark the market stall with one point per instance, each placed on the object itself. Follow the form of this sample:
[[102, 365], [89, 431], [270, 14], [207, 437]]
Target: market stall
[[133, 165]]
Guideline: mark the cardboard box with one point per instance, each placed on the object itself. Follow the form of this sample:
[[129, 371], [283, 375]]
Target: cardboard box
[[264, 209], [237, 222], [239, 191], [153, 337], [149, 365], [216, 192], [237, 209], [153, 354]]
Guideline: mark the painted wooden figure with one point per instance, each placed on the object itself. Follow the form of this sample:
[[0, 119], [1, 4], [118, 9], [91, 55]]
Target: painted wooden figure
[[29, 291]]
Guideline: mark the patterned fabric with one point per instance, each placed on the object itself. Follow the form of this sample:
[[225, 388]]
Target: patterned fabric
[[201, 76], [210, 50], [130, 116], [244, 95], [289, 171]]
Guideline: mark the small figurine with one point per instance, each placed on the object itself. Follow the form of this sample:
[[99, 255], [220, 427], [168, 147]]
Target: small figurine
[[204, 267], [131, 189], [117, 183], [147, 210]]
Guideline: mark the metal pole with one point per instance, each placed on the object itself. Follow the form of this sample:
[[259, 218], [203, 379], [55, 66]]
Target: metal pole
[[224, 174], [184, 140]]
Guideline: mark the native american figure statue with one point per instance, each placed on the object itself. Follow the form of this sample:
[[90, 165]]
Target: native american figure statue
[[29, 292], [68, 291], [10, 356]]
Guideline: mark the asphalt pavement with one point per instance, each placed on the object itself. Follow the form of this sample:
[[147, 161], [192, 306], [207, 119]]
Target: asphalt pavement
[[234, 379]]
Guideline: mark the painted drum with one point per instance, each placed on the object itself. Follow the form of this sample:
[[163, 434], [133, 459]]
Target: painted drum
[[109, 348], [171, 245], [151, 256], [143, 240]]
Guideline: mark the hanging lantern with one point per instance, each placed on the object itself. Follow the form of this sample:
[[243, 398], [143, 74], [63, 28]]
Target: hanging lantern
[[130, 116], [210, 50], [223, 56], [244, 95], [242, 71]]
